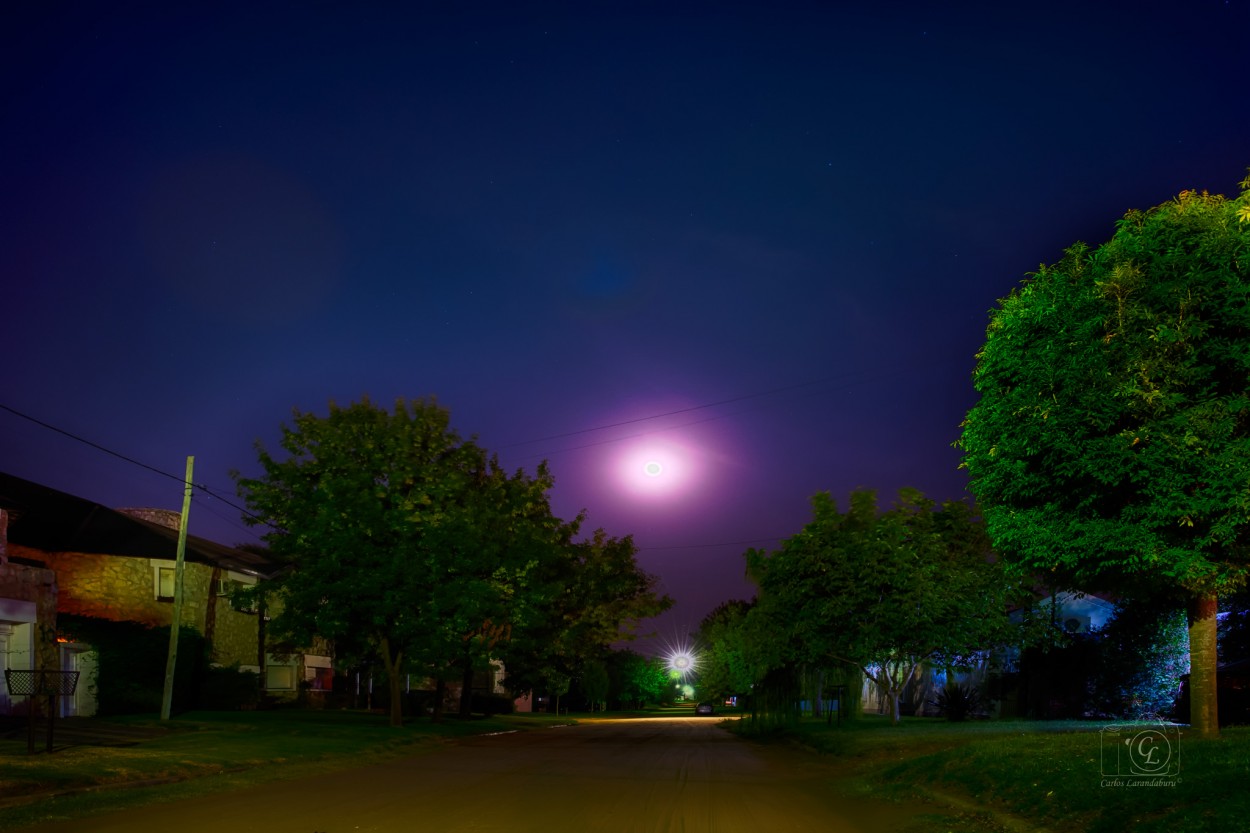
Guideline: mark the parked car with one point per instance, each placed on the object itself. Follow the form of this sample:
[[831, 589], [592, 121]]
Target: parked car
[[704, 708]]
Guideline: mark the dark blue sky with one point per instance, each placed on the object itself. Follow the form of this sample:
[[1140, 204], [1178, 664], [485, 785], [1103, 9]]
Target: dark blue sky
[[556, 217]]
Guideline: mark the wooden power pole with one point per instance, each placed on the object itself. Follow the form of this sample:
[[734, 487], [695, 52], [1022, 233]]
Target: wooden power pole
[[168, 698]]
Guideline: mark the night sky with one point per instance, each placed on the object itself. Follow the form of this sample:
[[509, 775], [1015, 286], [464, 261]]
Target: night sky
[[755, 246]]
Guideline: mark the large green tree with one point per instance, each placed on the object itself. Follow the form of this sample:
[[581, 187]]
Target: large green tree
[[591, 595], [398, 534], [885, 591], [1110, 445], [727, 663], [638, 680]]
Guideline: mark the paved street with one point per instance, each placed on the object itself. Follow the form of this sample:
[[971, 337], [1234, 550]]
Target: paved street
[[634, 776]]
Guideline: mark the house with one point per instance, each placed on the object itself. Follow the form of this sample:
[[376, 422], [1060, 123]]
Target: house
[[1074, 612], [64, 555]]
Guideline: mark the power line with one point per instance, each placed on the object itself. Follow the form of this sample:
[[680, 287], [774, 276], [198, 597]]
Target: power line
[[96, 446], [875, 378], [207, 505], [709, 546], [180, 479], [212, 493], [682, 410]]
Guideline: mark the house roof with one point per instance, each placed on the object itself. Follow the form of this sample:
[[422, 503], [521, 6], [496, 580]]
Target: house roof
[[46, 519]]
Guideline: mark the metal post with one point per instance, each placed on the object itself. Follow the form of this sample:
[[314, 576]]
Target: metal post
[[30, 727], [51, 718]]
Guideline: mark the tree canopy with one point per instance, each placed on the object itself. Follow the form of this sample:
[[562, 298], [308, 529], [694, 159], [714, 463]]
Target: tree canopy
[[728, 660], [885, 591], [398, 533], [1110, 444], [407, 540], [591, 595], [638, 680]]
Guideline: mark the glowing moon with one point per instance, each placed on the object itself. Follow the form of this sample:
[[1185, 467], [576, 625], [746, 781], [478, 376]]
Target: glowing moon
[[657, 470]]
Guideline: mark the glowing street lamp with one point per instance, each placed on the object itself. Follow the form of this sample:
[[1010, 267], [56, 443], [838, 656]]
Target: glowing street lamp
[[682, 662]]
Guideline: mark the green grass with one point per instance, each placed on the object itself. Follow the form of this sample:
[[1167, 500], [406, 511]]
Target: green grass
[[1048, 773], [205, 752]]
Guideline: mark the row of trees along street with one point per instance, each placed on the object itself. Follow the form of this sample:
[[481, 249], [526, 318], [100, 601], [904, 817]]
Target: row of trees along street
[[405, 542], [881, 593], [1109, 451], [884, 592]]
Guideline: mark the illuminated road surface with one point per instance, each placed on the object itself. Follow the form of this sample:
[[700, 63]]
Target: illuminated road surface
[[674, 775]]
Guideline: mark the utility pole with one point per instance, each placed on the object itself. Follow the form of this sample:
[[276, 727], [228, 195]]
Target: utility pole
[[168, 698]]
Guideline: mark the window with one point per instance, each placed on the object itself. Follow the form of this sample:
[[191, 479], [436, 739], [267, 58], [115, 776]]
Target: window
[[281, 672], [233, 582], [280, 677], [318, 672], [319, 679], [162, 580]]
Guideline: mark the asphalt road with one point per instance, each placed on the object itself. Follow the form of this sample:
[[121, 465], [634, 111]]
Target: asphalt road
[[666, 775]]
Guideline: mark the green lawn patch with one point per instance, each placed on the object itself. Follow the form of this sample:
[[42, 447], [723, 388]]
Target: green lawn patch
[[1048, 774]]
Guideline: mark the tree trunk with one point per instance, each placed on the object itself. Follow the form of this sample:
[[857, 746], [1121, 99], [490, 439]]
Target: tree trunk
[[392, 675], [260, 647], [1203, 698], [466, 689], [440, 691]]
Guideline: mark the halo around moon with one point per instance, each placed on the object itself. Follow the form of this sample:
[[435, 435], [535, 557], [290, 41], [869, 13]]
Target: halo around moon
[[656, 470]]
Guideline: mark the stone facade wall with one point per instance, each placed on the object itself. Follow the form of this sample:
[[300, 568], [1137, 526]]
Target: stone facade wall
[[235, 635], [124, 589]]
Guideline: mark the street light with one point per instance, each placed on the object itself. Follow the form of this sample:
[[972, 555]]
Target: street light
[[681, 662]]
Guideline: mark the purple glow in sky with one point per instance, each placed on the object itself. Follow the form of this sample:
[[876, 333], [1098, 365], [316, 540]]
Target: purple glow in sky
[[753, 244]]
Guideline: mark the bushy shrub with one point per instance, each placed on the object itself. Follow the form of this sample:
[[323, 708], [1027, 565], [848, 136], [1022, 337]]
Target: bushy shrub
[[958, 702], [227, 688], [492, 703], [1143, 652], [130, 663]]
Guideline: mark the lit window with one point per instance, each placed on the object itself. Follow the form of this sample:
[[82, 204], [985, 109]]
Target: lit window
[[318, 672], [319, 679], [163, 581], [280, 677]]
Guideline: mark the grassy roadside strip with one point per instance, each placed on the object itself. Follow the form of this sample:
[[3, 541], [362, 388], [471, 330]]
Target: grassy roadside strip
[[1043, 775], [205, 752]]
